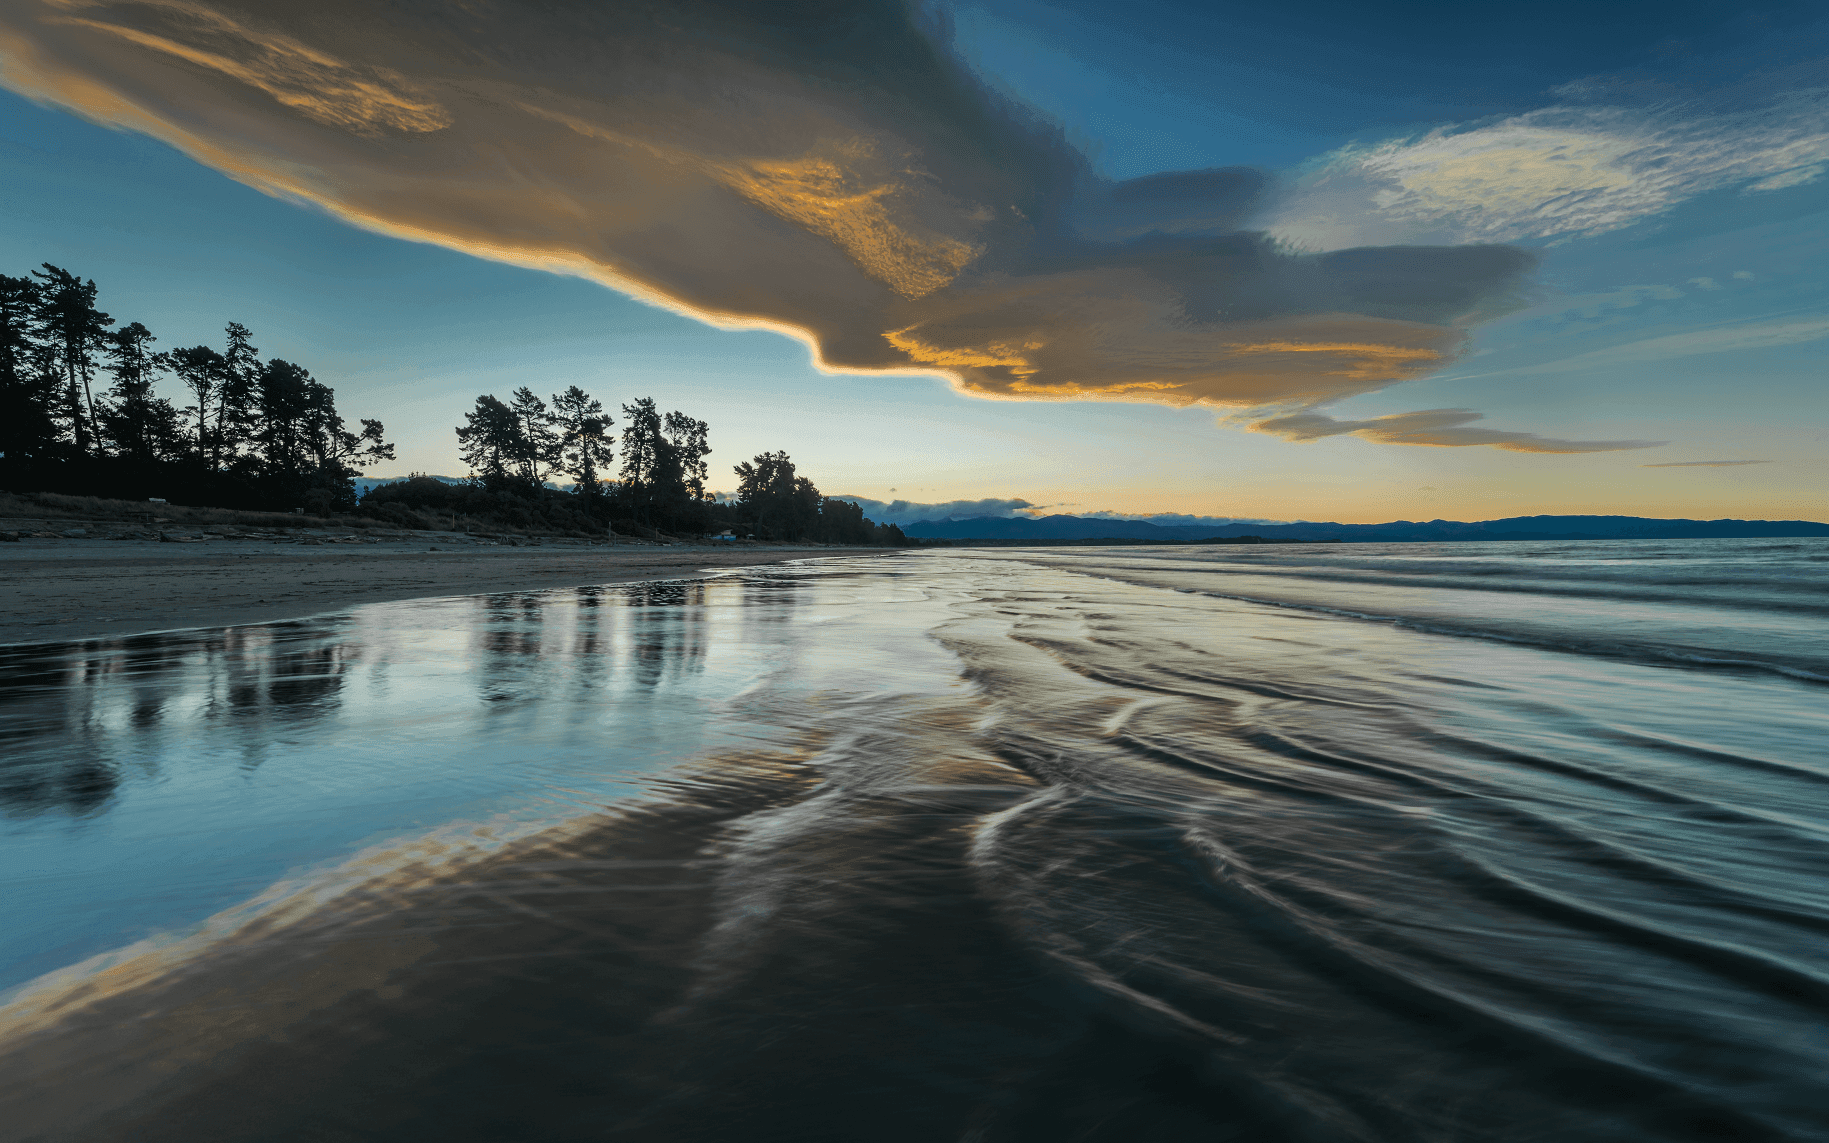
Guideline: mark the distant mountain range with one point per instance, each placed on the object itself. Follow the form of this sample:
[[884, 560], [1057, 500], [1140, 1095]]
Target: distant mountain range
[[365, 483], [1049, 528]]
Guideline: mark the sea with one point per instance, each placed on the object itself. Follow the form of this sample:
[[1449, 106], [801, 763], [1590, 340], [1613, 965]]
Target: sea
[[1304, 843]]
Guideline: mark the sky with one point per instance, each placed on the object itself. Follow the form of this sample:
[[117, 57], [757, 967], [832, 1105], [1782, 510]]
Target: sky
[[1311, 261]]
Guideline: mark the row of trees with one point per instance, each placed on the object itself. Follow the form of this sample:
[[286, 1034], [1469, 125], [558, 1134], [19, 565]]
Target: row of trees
[[79, 410], [79, 413], [519, 446]]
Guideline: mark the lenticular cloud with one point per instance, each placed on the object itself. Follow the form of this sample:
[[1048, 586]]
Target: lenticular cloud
[[826, 170], [1439, 428]]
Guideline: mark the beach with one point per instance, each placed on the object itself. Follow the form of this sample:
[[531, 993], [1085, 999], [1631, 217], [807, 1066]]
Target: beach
[[1406, 842], [95, 587]]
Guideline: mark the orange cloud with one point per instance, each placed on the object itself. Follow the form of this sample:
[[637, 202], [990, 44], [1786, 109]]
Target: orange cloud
[[365, 100], [727, 162]]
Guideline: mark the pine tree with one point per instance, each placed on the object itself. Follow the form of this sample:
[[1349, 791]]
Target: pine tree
[[142, 427], [765, 491], [341, 454], [237, 417], [72, 330], [201, 370], [641, 456], [585, 444], [663, 465], [490, 441], [287, 409], [539, 441], [28, 393], [687, 442]]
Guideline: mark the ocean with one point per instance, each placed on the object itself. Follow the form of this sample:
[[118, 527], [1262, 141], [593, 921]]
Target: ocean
[[1385, 842]]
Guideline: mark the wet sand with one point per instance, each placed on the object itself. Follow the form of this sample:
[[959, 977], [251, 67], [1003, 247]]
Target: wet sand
[[52, 590]]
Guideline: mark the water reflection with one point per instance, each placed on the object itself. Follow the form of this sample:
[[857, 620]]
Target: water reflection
[[224, 758], [79, 779], [664, 646], [79, 787]]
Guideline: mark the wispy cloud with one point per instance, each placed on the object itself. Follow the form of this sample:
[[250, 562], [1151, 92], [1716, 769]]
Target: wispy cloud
[[1556, 172], [1719, 339], [1442, 428], [1703, 463], [363, 99], [829, 172]]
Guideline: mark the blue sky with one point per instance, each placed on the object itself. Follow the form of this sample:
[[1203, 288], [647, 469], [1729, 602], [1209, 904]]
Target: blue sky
[[1663, 164]]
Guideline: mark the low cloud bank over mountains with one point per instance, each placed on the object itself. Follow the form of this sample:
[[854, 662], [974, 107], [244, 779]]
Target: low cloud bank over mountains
[[1056, 528]]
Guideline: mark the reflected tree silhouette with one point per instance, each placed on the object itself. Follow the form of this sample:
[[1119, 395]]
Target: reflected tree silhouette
[[510, 635], [284, 673], [313, 676], [79, 787], [593, 643], [79, 720], [669, 629], [45, 696]]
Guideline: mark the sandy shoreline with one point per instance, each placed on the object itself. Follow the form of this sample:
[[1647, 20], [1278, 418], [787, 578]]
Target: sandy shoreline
[[56, 590]]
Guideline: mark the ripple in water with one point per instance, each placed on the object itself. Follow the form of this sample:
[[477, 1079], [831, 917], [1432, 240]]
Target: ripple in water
[[1090, 845]]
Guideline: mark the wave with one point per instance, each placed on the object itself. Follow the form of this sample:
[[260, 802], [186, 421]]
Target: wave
[[1587, 616], [1613, 646]]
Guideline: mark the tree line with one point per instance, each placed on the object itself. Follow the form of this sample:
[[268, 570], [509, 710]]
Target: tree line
[[521, 447], [79, 412]]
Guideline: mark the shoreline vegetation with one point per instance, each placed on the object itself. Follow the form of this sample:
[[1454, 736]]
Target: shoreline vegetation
[[80, 414]]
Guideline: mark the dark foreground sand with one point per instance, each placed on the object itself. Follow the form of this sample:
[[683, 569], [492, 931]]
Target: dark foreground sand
[[57, 589]]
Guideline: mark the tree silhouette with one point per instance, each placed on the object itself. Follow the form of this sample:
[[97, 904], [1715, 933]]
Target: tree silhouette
[[236, 418], [72, 329], [489, 441], [268, 434], [260, 433], [139, 425], [201, 370], [285, 398], [663, 466], [585, 444], [342, 454], [687, 443], [642, 446], [784, 504], [538, 441], [28, 391]]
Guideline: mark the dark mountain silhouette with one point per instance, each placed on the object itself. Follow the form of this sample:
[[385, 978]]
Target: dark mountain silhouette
[[1514, 528]]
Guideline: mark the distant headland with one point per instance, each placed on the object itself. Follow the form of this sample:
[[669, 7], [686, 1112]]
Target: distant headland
[[1083, 528]]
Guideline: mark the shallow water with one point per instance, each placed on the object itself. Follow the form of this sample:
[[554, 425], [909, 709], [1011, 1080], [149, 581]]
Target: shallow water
[[1393, 842]]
